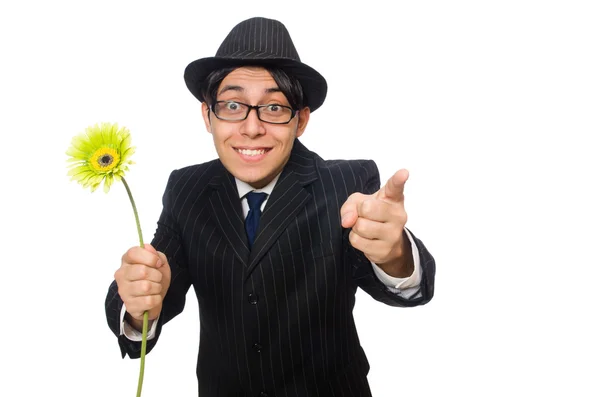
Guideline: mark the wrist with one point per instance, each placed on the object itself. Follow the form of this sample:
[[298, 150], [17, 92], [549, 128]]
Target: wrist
[[402, 266], [398, 268], [134, 322]]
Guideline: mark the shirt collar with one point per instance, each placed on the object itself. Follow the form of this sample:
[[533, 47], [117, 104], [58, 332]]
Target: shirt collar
[[243, 188]]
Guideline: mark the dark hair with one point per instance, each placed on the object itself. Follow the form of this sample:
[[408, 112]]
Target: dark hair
[[289, 85]]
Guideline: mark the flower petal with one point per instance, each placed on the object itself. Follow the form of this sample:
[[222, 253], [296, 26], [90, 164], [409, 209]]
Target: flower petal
[[87, 148]]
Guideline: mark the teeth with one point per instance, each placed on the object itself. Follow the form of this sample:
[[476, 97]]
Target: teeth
[[247, 152]]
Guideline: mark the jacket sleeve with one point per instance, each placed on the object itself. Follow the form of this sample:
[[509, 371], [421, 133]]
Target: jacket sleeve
[[167, 240], [368, 183]]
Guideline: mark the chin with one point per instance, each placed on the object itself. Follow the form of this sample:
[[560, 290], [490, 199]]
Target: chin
[[249, 178], [257, 181], [256, 177]]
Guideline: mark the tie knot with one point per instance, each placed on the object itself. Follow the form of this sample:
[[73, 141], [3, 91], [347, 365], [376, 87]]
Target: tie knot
[[255, 200]]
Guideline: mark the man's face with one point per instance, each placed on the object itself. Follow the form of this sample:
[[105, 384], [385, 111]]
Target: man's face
[[252, 150]]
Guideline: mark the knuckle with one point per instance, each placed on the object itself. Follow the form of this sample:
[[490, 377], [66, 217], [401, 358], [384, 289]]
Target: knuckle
[[146, 286], [354, 238], [368, 206], [149, 301], [358, 226], [129, 254], [143, 273], [362, 226]]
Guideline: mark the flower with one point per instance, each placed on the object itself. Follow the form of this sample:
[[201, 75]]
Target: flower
[[102, 154], [99, 154]]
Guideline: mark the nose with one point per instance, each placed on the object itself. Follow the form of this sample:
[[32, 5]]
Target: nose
[[252, 126]]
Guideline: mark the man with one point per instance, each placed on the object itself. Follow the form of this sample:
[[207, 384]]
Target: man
[[274, 239]]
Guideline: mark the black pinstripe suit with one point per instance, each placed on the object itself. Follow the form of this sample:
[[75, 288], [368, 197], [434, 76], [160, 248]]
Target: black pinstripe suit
[[277, 319]]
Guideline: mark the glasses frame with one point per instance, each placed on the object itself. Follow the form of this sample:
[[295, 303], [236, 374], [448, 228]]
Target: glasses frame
[[256, 107]]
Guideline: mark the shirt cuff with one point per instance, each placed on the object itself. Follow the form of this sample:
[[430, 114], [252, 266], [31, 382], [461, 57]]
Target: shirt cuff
[[405, 286], [133, 334]]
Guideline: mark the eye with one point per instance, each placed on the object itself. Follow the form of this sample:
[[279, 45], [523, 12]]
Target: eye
[[232, 106], [274, 108]]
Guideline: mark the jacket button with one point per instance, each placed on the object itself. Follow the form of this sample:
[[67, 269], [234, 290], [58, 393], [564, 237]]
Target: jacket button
[[257, 347], [253, 299]]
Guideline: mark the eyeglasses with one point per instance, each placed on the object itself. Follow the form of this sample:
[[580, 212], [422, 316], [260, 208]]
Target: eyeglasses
[[272, 113]]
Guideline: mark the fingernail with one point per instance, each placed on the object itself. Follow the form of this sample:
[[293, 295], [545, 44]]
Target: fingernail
[[345, 217], [159, 263]]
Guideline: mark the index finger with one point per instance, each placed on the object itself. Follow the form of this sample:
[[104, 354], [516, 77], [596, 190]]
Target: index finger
[[394, 188]]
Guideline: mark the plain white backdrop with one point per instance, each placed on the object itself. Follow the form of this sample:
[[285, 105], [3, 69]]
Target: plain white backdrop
[[493, 108]]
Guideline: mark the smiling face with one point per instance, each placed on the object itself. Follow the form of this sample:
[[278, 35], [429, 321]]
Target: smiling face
[[253, 151]]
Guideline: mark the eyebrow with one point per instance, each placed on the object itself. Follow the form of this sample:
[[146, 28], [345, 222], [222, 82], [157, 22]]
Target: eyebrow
[[241, 89]]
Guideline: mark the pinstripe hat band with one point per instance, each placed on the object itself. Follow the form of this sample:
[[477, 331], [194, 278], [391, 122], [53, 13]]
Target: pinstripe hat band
[[259, 42]]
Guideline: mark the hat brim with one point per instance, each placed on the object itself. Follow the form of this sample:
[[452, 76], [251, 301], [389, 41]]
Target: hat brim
[[313, 84]]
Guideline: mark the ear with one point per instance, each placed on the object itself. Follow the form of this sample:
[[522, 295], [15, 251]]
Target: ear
[[303, 117], [206, 116]]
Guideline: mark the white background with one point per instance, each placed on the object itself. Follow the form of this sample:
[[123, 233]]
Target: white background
[[493, 108]]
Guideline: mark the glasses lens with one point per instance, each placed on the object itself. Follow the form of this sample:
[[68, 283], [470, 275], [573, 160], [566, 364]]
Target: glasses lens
[[231, 110], [275, 113], [235, 111]]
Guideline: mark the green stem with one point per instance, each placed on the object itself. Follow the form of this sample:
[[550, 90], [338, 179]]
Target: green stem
[[145, 322], [137, 218], [143, 354]]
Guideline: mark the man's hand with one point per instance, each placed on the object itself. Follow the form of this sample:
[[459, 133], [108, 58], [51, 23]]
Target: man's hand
[[377, 223], [143, 280]]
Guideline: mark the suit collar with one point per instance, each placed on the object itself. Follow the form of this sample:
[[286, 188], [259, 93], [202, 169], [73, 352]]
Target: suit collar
[[302, 164]]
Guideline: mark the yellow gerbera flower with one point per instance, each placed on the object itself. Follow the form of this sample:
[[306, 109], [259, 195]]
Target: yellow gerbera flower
[[99, 154], [102, 154]]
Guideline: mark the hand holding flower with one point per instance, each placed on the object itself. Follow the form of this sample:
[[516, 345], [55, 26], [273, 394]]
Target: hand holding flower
[[143, 280]]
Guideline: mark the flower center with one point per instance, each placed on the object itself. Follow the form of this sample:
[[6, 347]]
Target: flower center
[[105, 159]]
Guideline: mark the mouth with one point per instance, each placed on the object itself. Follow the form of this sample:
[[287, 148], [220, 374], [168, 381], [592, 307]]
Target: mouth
[[252, 154]]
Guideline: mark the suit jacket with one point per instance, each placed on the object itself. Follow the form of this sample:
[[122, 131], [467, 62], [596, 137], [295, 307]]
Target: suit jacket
[[275, 320]]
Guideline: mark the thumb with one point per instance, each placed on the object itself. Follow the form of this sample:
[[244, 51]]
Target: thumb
[[162, 257], [349, 211], [165, 269], [349, 218], [150, 248]]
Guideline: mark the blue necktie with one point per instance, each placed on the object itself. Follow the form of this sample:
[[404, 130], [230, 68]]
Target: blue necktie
[[255, 200]]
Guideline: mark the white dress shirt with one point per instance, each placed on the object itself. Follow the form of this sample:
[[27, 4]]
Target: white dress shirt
[[407, 287]]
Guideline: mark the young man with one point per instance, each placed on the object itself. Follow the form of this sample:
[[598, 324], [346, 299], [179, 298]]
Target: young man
[[274, 239]]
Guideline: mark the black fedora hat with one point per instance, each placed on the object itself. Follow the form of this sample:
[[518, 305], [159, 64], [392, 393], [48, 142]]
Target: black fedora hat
[[259, 42]]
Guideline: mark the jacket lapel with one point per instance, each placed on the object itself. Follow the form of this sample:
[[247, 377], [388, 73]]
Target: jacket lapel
[[227, 213], [288, 197]]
